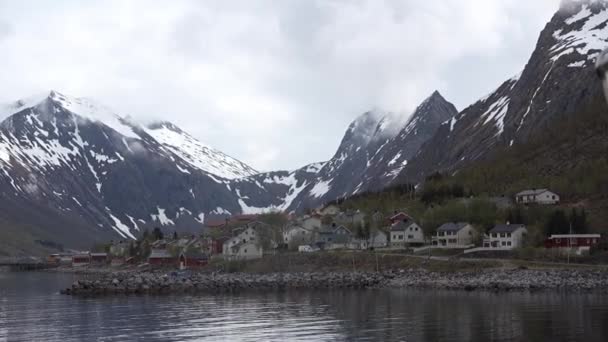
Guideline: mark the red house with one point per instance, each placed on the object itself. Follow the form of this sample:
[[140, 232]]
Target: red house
[[192, 259], [572, 241], [216, 246], [99, 258], [398, 217], [81, 260], [161, 257]]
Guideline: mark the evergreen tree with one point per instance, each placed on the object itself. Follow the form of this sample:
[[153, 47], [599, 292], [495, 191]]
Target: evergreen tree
[[558, 223], [146, 234], [157, 234]]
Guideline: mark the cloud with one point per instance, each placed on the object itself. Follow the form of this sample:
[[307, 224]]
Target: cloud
[[273, 83]]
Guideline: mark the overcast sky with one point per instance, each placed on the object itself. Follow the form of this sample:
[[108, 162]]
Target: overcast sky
[[272, 83]]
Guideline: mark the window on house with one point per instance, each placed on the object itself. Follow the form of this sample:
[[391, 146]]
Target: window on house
[[508, 243], [494, 235], [245, 250], [416, 229], [452, 241], [508, 234], [504, 243], [502, 235], [410, 236], [400, 236]]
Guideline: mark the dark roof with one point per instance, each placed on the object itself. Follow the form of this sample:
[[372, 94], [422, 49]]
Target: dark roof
[[397, 215], [452, 227], [506, 228], [194, 254], [533, 192], [402, 225], [160, 254]]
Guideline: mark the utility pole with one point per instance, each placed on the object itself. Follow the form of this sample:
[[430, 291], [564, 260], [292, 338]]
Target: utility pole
[[570, 241]]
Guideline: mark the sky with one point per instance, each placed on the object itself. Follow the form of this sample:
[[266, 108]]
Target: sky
[[272, 83]]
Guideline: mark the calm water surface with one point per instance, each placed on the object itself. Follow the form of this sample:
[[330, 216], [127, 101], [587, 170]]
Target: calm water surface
[[32, 310]]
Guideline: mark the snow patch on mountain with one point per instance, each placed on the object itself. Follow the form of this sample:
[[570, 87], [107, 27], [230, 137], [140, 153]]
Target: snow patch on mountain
[[197, 154], [320, 189], [161, 217], [591, 37]]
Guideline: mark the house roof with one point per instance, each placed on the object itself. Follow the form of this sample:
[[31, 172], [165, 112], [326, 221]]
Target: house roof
[[402, 225], [452, 227], [506, 228], [398, 215], [99, 254], [160, 254], [533, 192], [342, 228], [574, 236], [194, 254]]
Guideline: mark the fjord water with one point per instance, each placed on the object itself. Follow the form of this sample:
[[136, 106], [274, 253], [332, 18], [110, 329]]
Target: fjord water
[[32, 310]]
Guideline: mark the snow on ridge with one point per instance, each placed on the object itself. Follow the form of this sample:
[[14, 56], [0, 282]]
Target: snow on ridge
[[592, 36], [91, 110], [199, 155]]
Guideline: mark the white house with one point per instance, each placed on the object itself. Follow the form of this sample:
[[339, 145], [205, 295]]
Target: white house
[[406, 232], [297, 235], [539, 196], [378, 239], [505, 236], [241, 244], [246, 250], [454, 235]]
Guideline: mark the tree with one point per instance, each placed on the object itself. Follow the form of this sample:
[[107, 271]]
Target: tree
[[558, 223], [175, 235], [579, 221], [157, 234], [146, 234]]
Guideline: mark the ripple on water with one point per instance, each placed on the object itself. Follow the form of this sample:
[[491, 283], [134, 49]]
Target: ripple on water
[[30, 310]]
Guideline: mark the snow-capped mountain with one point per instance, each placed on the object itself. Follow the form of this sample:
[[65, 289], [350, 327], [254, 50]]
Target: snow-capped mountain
[[197, 154], [555, 84], [105, 175], [375, 148], [73, 172]]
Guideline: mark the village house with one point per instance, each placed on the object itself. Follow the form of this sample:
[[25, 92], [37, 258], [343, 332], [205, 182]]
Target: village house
[[244, 245], [245, 250], [398, 217], [192, 258], [538, 196], [81, 259], [454, 235], [298, 235], [505, 236], [378, 239], [99, 258], [405, 233], [333, 237], [579, 243], [161, 257], [350, 218]]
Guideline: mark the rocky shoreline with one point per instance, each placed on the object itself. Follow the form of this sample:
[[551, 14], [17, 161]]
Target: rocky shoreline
[[189, 282], [572, 280], [157, 282]]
